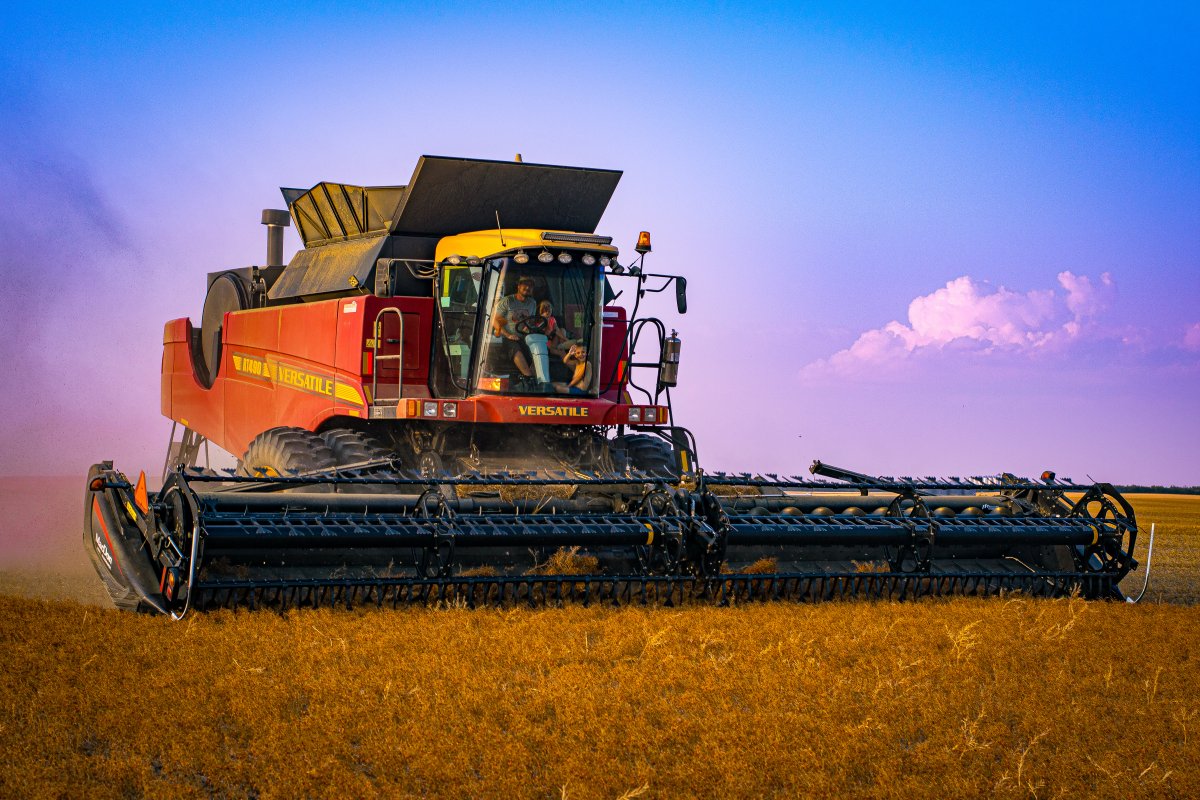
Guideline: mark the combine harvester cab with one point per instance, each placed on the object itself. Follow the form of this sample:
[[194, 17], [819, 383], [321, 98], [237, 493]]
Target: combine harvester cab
[[439, 399]]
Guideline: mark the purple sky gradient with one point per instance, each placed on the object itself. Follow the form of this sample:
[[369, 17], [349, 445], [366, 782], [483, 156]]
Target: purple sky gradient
[[960, 240]]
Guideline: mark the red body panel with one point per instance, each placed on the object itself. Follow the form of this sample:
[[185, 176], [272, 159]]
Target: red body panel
[[540, 410], [184, 399], [289, 365], [305, 363], [612, 351]]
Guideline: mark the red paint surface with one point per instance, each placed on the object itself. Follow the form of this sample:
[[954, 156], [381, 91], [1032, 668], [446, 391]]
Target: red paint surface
[[327, 340], [612, 350]]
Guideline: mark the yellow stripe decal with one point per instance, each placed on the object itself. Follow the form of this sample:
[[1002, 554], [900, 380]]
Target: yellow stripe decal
[[343, 391], [649, 533]]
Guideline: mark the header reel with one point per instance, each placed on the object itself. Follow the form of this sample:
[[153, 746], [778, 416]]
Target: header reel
[[374, 534]]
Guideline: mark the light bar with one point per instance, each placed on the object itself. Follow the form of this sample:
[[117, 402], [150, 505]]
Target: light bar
[[580, 238]]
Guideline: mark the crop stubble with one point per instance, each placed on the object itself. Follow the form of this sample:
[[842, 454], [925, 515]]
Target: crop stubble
[[1008, 696]]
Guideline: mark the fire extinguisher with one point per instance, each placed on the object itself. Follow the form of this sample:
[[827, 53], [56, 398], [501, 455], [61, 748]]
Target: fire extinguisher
[[668, 373]]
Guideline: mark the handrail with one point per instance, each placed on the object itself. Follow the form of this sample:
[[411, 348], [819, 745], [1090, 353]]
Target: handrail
[[398, 357], [634, 335]]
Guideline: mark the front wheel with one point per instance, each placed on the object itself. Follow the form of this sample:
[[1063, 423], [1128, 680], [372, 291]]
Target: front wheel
[[284, 452], [649, 454]]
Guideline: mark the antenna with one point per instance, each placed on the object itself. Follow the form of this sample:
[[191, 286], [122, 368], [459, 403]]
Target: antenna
[[502, 244]]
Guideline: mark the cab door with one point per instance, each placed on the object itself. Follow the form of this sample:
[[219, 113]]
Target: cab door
[[460, 289]]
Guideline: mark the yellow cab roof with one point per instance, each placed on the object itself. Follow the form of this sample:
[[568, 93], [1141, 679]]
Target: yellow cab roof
[[484, 244]]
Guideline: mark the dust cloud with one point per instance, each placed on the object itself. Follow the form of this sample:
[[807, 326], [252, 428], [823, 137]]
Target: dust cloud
[[80, 348], [41, 541]]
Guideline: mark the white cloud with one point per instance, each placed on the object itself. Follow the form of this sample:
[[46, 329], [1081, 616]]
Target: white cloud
[[1084, 299], [971, 315]]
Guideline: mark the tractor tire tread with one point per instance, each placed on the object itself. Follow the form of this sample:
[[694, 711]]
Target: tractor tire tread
[[287, 450], [350, 446], [353, 447], [650, 454]]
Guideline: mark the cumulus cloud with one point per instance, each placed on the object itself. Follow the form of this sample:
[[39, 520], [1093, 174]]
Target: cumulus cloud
[[971, 315]]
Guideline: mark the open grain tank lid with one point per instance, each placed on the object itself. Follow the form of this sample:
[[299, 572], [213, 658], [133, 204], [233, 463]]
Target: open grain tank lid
[[455, 195], [347, 229], [448, 196]]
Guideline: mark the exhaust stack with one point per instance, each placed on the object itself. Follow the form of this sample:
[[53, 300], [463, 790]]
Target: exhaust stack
[[276, 221]]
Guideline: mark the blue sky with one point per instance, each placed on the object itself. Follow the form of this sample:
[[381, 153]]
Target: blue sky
[[813, 169]]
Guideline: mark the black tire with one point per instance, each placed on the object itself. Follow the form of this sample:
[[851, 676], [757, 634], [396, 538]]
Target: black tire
[[352, 447], [650, 454], [282, 451]]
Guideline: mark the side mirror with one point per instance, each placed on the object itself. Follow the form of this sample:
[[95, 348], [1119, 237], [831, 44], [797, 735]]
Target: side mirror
[[681, 294]]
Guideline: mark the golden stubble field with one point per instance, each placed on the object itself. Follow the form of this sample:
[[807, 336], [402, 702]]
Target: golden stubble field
[[1011, 697]]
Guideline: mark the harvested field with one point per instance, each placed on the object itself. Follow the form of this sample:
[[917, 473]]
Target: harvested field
[[1010, 696], [1015, 697], [1175, 572]]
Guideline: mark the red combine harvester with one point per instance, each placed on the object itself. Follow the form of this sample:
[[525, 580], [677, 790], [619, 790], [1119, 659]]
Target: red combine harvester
[[440, 398]]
